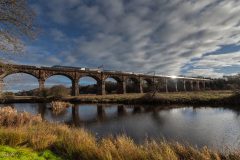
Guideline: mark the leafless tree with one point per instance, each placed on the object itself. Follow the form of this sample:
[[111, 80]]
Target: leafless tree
[[156, 87], [16, 23]]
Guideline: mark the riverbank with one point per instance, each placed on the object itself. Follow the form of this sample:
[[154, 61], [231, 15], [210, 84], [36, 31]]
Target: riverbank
[[189, 98], [75, 144], [26, 134]]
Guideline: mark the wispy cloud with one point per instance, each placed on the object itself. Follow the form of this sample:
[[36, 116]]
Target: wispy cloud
[[219, 60], [205, 72], [140, 35], [147, 35], [211, 65]]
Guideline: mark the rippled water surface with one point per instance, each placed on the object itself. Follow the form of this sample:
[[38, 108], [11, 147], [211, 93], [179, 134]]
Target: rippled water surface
[[214, 127]]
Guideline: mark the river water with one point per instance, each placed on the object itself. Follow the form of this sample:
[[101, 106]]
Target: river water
[[217, 128]]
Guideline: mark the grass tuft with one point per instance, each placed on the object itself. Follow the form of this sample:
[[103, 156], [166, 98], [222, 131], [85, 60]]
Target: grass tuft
[[10, 117], [59, 106]]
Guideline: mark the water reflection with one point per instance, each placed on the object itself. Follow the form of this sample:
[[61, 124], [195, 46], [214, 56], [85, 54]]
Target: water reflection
[[103, 113], [214, 127], [75, 116], [42, 109], [121, 110]]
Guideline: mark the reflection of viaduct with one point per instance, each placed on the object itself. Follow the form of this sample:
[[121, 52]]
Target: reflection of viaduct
[[42, 73], [101, 114], [122, 111]]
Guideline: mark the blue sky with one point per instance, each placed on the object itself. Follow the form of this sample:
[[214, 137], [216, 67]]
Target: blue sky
[[171, 37]]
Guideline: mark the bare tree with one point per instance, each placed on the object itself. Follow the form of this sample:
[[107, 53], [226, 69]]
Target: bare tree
[[156, 87], [16, 22]]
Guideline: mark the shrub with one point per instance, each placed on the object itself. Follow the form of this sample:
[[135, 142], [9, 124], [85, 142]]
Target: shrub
[[58, 91], [42, 93]]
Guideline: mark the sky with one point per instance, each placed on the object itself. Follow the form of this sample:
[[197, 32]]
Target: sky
[[171, 37]]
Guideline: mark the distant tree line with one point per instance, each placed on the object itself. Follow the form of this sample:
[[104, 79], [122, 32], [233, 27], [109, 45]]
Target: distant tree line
[[61, 90], [226, 83], [57, 91]]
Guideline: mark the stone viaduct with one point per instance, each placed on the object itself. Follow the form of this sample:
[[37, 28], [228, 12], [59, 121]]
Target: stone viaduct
[[74, 74]]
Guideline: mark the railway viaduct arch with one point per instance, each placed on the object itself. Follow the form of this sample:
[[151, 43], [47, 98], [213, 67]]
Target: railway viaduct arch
[[43, 73]]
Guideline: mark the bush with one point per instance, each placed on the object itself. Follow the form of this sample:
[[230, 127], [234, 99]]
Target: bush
[[43, 92], [58, 91]]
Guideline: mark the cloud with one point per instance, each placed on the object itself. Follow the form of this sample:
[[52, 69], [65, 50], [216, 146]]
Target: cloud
[[58, 35], [211, 65], [34, 55], [167, 36], [145, 35], [204, 72], [219, 60]]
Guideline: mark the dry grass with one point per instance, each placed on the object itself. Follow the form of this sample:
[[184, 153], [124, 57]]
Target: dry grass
[[59, 106], [10, 117], [77, 143], [73, 143]]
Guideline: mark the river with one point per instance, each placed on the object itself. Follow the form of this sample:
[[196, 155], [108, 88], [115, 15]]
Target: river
[[215, 127]]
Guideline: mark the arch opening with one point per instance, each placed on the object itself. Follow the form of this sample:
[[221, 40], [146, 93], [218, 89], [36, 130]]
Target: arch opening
[[188, 86], [180, 85], [159, 85], [207, 85], [58, 85], [20, 84], [111, 86], [88, 85], [132, 85], [172, 85], [201, 85], [147, 85], [195, 86]]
